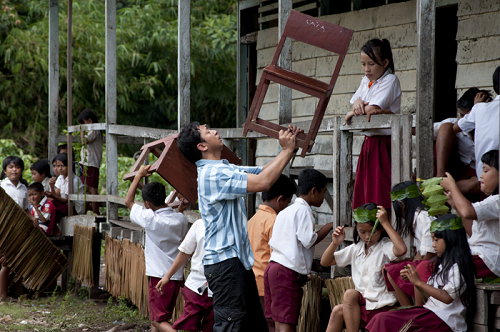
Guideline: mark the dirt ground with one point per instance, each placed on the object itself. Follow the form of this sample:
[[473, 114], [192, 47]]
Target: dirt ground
[[70, 313]]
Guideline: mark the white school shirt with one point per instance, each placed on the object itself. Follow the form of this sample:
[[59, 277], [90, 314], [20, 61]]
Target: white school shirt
[[422, 229], [92, 155], [484, 119], [452, 314], [62, 185], [293, 237], [18, 193], [46, 184], [385, 93], [165, 230], [194, 244], [465, 144], [485, 233], [366, 270]]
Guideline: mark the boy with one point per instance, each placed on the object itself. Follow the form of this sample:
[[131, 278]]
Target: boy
[[43, 212], [260, 229], [40, 171], [228, 256], [292, 246], [164, 232], [198, 313]]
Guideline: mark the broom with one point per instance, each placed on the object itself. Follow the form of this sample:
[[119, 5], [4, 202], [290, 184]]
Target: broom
[[336, 289], [25, 249], [82, 269], [309, 319]]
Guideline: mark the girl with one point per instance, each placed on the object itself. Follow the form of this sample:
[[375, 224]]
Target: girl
[[367, 258], [450, 288], [91, 155], [378, 93], [59, 190], [411, 219], [480, 219], [40, 171]]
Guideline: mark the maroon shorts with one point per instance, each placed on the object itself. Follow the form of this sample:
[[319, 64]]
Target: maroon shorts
[[482, 271], [283, 293], [413, 319], [393, 269], [373, 174], [198, 313], [92, 176], [367, 315], [161, 307]]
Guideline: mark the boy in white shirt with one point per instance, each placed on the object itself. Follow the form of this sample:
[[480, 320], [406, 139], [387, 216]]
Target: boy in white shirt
[[165, 230], [198, 314], [292, 245], [40, 172]]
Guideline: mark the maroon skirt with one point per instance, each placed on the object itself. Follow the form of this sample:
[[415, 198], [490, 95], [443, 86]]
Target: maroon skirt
[[373, 174], [367, 315], [482, 271], [393, 269], [414, 319]]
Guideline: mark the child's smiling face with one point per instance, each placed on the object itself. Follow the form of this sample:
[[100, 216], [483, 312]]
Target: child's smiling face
[[13, 172], [489, 179]]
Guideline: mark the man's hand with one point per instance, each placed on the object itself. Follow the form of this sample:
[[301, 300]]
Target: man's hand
[[338, 235], [287, 140], [143, 171], [184, 205]]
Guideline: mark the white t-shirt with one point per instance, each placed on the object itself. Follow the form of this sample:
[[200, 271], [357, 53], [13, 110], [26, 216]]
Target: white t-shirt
[[194, 244], [92, 155], [165, 230], [484, 119], [385, 93], [366, 270], [485, 233], [293, 237], [465, 144], [62, 185], [46, 184], [452, 314], [18, 193], [422, 229]]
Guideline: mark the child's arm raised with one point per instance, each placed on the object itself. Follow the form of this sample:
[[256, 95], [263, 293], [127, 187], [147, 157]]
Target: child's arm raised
[[323, 232], [399, 248], [179, 261], [338, 236], [411, 274], [142, 172], [461, 204]]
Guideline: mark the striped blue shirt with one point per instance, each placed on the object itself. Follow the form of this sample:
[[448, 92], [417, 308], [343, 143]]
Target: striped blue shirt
[[221, 188]]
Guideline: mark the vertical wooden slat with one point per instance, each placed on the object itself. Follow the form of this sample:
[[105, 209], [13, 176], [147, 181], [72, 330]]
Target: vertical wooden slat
[[184, 63], [346, 184], [337, 122], [406, 127], [70, 103], [395, 150], [53, 77], [285, 61]]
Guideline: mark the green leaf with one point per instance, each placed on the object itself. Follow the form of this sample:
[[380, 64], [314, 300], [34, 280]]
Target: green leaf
[[373, 230], [430, 182], [443, 225], [408, 192], [433, 190], [437, 210], [363, 215], [436, 200]]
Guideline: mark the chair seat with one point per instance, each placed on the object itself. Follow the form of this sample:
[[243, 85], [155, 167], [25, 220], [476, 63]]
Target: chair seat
[[299, 79]]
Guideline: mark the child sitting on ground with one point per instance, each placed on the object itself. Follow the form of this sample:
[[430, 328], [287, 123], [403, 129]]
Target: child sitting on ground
[[450, 288], [165, 230], [367, 259], [91, 155], [198, 313], [43, 211], [40, 171], [292, 245], [260, 229], [480, 219]]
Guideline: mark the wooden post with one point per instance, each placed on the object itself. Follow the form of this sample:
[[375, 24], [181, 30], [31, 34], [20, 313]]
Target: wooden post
[[336, 178], [184, 63], [70, 103], [110, 93], [53, 78], [426, 21], [96, 266], [285, 61]]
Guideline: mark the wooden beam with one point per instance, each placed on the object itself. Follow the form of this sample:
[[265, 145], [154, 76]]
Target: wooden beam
[[92, 126], [144, 132], [426, 22], [53, 77], [184, 63], [285, 62], [69, 98]]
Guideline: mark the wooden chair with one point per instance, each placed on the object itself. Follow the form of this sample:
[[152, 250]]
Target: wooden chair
[[314, 32], [174, 168]]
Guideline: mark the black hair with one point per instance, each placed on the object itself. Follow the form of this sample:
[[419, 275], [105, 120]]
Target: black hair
[[62, 157], [457, 252], [311, 178], [284, 186], [36, 186], [404, 224], [42, 167], [367, 206], [61, 147], [379, 50], [188, 141], [87, 114], [466, 102], [490, 158], [12, 159], [154, 193], [496, 78]]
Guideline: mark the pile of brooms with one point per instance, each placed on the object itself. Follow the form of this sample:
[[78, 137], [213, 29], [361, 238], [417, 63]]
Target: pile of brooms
[[82, 269], [25, 249]]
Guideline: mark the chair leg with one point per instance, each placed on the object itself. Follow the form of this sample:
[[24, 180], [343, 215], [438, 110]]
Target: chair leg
[[313, 130], [256, 103]]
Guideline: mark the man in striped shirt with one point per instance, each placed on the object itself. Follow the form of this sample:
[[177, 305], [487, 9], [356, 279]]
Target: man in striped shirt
[[228, 256]]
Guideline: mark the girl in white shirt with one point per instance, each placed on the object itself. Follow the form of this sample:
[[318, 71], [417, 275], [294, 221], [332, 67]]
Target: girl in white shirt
[[40, 171], [450, 288], [367, 259], [411, 219], [378, 93], [481, 218]]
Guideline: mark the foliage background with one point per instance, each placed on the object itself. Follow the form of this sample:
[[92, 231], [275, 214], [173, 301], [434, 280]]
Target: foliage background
[[146, 65]]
